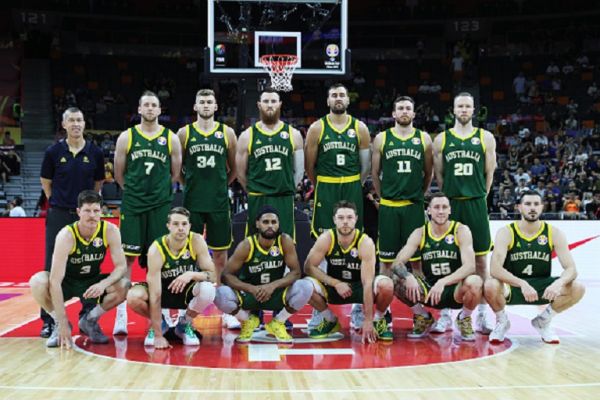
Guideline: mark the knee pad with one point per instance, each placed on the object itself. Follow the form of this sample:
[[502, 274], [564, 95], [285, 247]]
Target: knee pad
[[299, 294], [204, 294], [226, 299]]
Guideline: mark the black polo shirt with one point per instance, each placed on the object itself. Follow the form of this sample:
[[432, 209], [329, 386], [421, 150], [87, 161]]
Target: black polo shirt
[[71, 174]]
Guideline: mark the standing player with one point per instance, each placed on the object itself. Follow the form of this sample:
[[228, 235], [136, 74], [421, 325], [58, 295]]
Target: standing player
[[180, 275], [402, 169], [256, 279], [208, 149], [147, 160], [447, 278], [79, 251], [350, 277], [464, 163], [337, 159], [522, 266], [69, 167], [270, 163]]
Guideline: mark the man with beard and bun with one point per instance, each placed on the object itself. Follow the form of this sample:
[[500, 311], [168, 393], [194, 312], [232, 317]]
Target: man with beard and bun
[[521, 270], [147, 160], [208, 149], [464, 160], [180, 275], [350, 277], [255, 278], [447, 278], [337, 159], [270, 163], [402, 169]]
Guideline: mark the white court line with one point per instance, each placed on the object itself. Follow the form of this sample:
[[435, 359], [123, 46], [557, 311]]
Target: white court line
[[263, 352], [296, 390], [316, 352]]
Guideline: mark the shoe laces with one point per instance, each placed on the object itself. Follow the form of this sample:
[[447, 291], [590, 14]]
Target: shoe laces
[[189, 330]]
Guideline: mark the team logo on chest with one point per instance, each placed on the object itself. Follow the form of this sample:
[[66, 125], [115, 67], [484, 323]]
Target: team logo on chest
[[354, 252], [416, 141], [542, 240], [162, 141], [475, 141], [274, 251], [186, 255], [219, 135], [449, 239], [284, 135], [351, 133], [97, 242]]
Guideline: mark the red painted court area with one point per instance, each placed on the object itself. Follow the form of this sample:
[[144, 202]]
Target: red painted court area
[[218, 348]]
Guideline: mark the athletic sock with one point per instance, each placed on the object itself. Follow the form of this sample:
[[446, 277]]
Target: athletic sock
[[96, 312], [328, 315], [548, 313], [501, 316], [283, 315]]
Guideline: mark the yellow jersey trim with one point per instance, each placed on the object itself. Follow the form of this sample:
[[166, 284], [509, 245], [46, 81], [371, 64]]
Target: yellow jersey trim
[[397, 135], [130, 134], [340, 131], [469, 136], [357, 235], [332, 243], [338, 179], [81, 239], [529, 238], [160, 250], [205, 133], [275, 131], [438, 238], [181, 252], [395, 203], [192, 252], [251, 252]]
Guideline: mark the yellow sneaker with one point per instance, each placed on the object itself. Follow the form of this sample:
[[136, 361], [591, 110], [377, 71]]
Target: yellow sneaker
[[277, 329], [248, 327]]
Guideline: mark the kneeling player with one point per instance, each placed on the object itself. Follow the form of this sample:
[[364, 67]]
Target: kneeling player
[[255, 279], [447, 279], [79, 251], [180, 276], [522, 266], [350, 276]]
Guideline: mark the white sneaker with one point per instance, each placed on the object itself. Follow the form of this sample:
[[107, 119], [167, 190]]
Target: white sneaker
[[444, 322], [499, 332], [149, 339], [357, 317], [465, 326], [121, 320], [482, 325], [187, 334], [545, 330], [315, 320], [230, 322]]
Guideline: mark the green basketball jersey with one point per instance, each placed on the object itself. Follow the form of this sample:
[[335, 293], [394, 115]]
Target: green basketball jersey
[[402, 166], [271, 161], [205, 169], [263, 265], [344, 264], [148, 172], [440, 256], [464, 165], [338, 149], [175, 265], [530, 257], [86, 257]]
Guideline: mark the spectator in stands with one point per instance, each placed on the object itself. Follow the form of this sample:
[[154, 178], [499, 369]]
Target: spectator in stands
[[506, 204], [541, 188], [41, 207], [13, 160], [592, 91], [435, 87], [540, 140], [571, 123], [522, 187], [519, 85], [556, 84], [507, 181], [107, 144], [522, 175], [17, 209], [106, 212], [4, 168], [553, 197], [70, 99], [538, 169], [582, 183], [571, 206], [8, 141], [424, 88], [572, 106], [583, 61], [568, 68], [552, 69], [592, 209], [163, 94]]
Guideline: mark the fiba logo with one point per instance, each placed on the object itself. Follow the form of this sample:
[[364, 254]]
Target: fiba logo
[[332, 50], [220, 49]]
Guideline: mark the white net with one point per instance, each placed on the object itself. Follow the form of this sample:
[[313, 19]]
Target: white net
[[281, 69]]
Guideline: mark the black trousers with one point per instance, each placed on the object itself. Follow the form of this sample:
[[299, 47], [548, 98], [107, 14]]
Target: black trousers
[[56, 219]]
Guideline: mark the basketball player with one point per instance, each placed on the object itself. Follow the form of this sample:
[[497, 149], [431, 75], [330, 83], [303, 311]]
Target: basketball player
[[447, 276], [255, 279], [79, 251], [270, 163], [147, 160], [521, 269], [464, 159], [402, 169], [208, 149], [337, 159], [350, 277], [180, 276]]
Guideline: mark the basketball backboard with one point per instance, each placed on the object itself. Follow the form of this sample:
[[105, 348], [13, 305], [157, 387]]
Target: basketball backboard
[[240, 32]]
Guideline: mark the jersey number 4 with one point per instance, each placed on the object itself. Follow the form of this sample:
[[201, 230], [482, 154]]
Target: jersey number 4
[[203, 161]]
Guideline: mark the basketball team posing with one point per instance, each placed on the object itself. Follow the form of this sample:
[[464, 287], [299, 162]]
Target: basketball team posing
[[439, 262]]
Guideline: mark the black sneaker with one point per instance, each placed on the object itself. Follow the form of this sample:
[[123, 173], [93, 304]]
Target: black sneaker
[[47, 329]]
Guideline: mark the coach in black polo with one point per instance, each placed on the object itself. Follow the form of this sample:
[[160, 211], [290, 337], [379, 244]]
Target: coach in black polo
[[69, 167]]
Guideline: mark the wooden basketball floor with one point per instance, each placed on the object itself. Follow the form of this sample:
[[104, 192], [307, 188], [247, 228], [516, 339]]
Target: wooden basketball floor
[[435, 368]]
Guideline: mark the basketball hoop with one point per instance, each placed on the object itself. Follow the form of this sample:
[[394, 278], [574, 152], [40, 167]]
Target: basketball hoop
[[280, 68]]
